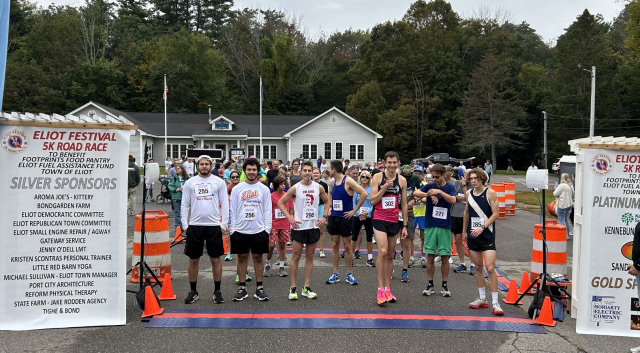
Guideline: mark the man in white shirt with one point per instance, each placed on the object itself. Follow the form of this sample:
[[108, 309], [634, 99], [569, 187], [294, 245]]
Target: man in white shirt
[[249, 226], [205, 213], [188, 167]]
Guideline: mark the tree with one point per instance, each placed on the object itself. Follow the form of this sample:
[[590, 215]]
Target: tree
[[95, 25], [101, 82], [392, 125], [491, 111], [367, 104]]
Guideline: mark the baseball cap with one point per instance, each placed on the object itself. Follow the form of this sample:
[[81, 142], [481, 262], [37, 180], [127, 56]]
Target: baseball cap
[[204, 156], [417, 169]]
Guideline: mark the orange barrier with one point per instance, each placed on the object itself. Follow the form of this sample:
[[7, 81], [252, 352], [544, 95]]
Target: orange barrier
[[167, 289], [510, 197], [551, 207], [546, 314], [454, 251], [178, 239], [556, 252], [525, 283], [499, 189], [512, 294], [157, 246]]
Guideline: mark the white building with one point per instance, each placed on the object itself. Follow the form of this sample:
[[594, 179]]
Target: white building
[[332, 134]]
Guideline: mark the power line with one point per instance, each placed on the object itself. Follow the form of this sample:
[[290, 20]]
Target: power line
[[587, 119]]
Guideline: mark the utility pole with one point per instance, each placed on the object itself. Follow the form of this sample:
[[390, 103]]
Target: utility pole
[[592, 122], [544, 150]]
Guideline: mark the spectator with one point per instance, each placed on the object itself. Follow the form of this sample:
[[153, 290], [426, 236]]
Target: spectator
[[564, 200], [488, 168], [175, 186], [134, 181]]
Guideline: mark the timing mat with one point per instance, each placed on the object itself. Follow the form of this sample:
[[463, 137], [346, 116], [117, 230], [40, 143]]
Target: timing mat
[[339, 319]]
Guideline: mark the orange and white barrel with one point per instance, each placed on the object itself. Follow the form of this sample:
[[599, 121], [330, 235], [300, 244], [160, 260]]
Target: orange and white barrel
[[157, 244], [499, 189], [556, 249], [510, 197]]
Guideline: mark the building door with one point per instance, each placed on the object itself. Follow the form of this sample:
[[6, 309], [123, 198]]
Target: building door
[[224, 150]]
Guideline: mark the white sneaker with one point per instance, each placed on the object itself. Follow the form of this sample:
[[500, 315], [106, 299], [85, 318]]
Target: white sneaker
[[450, 259], [397, 241], [437, 259]]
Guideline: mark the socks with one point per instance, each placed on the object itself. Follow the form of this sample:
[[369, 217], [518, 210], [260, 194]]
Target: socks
[[243, 284], [369, 256], [404, 270], [494, 297], [217, 285], [293, 289], [444, 284], [258, 284], [193, 285], [348, 273], [483, 295], [281, 264], [335, 273], [430, 283]]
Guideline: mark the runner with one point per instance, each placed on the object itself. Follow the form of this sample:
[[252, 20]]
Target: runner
[[413, 182], [353, 172], [386, 189], [457, 217], [305, 224], [363, 217], [249, 226], [419, 210], [280, 227], [340, 222], [479, 230], [325, 186], [205, 213], [437, 235]]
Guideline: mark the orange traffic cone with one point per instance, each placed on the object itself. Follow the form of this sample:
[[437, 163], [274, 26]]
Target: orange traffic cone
[[546, 314], [512, 294], [178, 238], [453, 247], [524, 283], [151, 306], [167, 289]]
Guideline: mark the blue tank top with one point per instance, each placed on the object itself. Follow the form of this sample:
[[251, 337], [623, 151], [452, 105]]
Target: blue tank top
[[341, 200], [483, 203]]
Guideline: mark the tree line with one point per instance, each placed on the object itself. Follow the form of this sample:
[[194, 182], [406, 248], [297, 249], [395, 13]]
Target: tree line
[[433, 81]]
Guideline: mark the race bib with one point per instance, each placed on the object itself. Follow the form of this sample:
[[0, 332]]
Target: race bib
[[309, 214], [476, 222], [364, 209], [203, 190], [337, 205], [249, 215], [400, 219], [279, 214], [388, 202], [439, 213]]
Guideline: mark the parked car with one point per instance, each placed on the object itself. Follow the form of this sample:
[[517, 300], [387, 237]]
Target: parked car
[[555, 167]]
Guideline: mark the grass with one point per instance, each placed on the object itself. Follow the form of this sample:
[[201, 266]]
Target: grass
[[518, 172], [531, 202]]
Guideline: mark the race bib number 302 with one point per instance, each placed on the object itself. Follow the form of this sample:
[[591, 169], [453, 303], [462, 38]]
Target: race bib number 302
[[439, 213], [388, 202]]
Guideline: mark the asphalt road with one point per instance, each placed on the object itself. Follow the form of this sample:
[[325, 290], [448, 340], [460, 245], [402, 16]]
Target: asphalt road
[[514, 255]]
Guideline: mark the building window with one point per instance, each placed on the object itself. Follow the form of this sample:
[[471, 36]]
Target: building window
[[356, 152], [250, 150], [269, 151], [177, 151], [361, 152], [310, 151], [273, 152], [327, 150], [338, 150]]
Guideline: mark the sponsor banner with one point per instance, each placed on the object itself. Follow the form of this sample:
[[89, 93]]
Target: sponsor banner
[[611, 209], [63, 227]]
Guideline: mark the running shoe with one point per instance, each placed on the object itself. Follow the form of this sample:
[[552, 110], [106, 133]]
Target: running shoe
[[153, 200], [307, 292], [373, 240], [288, 243], [438, 259], [322, 254], [411, 262], [381, 297], [397, 240], [228, 257], [371, 263], [267, 268], [405, 277], [282, 272], [342, 255], [356, 255], [191, 297], [293, 295], [460, 269], [472, 270], [260, 294], [478, 303], [237, 279], [445, 291], [395, 255], [390, 297], [450, 259], [242, 293], [429, 290], [333, 279], [217, 297], [286, 262], [497, 310], [247, 277], [423, 262], [401, 254], [351, 280]]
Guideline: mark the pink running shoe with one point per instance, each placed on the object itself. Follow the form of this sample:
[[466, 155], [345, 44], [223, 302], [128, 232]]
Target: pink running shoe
[[390, 297], [381, 297]]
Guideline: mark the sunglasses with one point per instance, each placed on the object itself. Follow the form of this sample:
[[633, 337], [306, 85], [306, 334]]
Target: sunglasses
[[436, 176], [235, 177], [364, 177]]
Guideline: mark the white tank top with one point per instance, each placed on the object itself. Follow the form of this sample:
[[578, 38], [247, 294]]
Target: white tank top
[[306, 205]]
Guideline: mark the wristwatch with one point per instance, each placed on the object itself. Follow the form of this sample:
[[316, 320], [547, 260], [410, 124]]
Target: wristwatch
[[483, 227], [404, 226]]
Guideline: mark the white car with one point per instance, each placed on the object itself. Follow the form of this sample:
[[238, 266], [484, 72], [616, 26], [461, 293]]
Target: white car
[[555, 168]]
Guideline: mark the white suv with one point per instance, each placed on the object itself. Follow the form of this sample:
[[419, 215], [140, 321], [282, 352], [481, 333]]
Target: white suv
[[555, 168]]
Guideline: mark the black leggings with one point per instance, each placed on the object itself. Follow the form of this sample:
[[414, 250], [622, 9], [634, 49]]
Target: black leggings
[[357, 226]]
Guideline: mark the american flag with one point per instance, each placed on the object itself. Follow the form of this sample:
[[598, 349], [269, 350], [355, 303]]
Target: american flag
[[166, 90]]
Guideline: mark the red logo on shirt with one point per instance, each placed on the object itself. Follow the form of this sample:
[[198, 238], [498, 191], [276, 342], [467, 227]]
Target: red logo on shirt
[[249, 194]]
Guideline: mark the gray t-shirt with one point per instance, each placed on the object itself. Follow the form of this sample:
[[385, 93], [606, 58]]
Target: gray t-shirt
[[458, 207]]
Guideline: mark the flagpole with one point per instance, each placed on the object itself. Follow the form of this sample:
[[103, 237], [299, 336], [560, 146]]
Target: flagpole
[[261, 148], [165, 112]]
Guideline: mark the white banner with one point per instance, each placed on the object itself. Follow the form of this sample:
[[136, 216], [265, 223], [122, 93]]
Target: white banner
[[608, 302], [63, 227]]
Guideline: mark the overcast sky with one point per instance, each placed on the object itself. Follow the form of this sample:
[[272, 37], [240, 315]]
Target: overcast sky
[[548, 17]]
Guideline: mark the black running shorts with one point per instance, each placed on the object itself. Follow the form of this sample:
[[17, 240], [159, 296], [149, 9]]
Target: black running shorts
[[196, 238], [456, 225], [480, 244], [242, 243], [391, 228], [340, 226], [306, 236]]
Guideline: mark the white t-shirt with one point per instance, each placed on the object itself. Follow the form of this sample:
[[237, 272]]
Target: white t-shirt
[[204, 201], [188, 166], [306, 205], [250, 208], [167, 165]]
